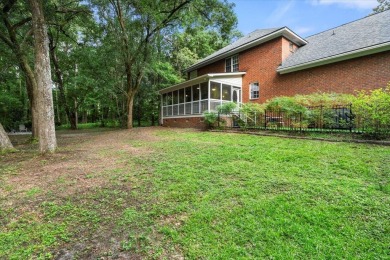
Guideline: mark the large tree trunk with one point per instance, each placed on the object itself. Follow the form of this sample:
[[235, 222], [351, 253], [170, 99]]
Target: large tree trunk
[[42, 71], [5, 143]]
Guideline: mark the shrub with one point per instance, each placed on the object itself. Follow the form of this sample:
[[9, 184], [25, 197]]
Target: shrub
[[372, 109], [210, 118], [226, 108], [287, 105]]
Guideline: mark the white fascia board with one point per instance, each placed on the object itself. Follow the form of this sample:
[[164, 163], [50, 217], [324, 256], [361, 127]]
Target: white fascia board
[[200, 79], [340, 57], [286, 32]]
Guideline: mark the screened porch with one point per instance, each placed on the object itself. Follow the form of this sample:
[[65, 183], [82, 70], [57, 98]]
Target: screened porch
[[203, 94]]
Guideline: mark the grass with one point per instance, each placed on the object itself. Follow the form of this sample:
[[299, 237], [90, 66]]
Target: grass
[[210, 196]]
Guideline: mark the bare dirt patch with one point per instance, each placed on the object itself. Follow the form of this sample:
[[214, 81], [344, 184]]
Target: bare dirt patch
[[80, 156], [83, 166]]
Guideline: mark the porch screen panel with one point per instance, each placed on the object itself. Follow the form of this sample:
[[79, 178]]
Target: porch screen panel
[[169, 98], [204, 87], [188, 94], [215, 90], [214, 104], [188, 108], [181, 95], [195, 107], [175, 97], [204, 106], [165, 111], [195, 92], [175, 110], [164, 99], [181, 109], [226, 92]]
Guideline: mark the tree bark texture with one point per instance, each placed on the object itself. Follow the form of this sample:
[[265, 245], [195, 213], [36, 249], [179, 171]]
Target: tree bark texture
[[5, 143], [42, 72], [130, 102]]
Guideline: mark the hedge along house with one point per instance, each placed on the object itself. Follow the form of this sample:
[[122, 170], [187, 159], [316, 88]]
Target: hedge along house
[[277, 62]]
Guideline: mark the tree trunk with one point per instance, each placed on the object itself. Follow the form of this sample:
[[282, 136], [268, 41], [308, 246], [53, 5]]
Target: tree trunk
[[42, 71], [5, 143], [130, 101], [30, 86]]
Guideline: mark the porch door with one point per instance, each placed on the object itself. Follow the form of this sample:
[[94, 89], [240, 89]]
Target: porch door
[[236, 95]]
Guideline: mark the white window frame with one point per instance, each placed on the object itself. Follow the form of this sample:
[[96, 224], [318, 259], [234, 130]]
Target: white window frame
[[254, 94], [233, 63]]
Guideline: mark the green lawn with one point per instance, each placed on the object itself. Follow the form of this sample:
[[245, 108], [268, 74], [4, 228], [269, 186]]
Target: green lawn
[[175, 193]]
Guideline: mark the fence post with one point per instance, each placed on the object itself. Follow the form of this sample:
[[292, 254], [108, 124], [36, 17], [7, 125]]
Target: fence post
[[300, 122], [219, 119], [350, 118], [265, 119]]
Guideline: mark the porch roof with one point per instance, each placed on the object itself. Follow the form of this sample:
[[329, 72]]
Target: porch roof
[[201, 79]]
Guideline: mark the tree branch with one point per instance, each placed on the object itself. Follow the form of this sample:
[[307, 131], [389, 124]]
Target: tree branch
[[21, 23], [6, 40]]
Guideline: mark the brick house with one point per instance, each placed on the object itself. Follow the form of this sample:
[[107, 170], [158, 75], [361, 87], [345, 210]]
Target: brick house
[[277, 62]]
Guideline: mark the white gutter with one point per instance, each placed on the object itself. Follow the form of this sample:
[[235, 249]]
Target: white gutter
[[340, 57], [286, 32], [200, 79]]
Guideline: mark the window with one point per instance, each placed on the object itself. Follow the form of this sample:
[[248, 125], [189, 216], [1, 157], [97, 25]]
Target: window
[[231, 64], [254, 90]]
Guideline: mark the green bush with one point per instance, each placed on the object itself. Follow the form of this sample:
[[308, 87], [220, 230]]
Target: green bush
[[372, 109], [210, 118], [287, 105], [226, 108]]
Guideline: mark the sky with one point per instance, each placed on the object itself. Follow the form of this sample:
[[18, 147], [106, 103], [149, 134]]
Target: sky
[[304, 17]]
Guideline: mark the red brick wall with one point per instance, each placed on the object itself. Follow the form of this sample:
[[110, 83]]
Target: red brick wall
[[216, 67], [189, 122], [261, 62], [364, 73]]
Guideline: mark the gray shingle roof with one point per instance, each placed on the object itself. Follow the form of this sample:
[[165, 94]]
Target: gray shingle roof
[[369, 31], [242, 41]]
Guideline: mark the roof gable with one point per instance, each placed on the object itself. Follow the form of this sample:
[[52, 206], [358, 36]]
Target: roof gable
[[369, 33], [254, 38]]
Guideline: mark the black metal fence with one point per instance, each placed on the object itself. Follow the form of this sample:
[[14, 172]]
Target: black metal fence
[[316, 118]]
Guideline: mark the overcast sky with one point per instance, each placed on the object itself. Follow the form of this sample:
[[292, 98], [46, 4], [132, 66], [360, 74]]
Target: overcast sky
[[305, 17]]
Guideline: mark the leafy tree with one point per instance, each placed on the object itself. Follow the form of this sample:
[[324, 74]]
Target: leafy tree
[[133, 27], [15, 33], [383, 5]]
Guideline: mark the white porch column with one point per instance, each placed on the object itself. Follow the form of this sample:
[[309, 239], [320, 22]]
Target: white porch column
[[208, 106]]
